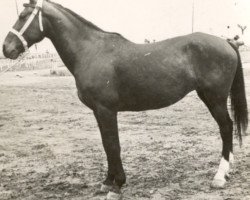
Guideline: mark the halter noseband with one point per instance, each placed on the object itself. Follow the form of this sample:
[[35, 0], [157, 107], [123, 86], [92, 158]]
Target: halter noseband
[[19, 34]]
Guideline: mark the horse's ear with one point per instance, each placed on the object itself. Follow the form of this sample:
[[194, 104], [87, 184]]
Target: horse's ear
[[29, 5], [33, 1]]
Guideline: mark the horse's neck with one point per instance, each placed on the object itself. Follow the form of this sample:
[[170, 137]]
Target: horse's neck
[[69, 35]]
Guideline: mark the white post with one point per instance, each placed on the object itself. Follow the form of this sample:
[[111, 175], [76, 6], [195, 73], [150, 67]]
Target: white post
[[193, 17]]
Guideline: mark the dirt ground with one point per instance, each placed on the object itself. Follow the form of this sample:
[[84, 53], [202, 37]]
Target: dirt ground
[[50, 146]]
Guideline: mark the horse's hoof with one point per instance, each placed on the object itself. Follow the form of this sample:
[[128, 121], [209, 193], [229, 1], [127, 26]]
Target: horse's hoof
[[114, 196], [105, 188], [218, 183]]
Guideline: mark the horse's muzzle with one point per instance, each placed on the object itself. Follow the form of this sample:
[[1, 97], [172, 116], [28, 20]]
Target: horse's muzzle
[[10, 51]]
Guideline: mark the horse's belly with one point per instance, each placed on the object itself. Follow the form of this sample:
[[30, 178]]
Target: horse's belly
[[146, 105], [152, 96], [153, 81]]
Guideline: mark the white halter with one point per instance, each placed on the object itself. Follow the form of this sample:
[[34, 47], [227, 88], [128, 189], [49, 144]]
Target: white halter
[[19, 34]]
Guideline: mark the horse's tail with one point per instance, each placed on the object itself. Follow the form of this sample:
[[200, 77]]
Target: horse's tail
[[238, 99]]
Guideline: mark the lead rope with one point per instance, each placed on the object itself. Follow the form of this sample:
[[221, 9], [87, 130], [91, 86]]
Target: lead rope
[[20, 61]]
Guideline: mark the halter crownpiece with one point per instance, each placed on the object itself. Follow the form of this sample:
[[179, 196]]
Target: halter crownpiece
[[37, 10]]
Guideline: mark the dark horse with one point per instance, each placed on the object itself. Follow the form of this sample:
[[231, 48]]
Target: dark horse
[[113, 74]]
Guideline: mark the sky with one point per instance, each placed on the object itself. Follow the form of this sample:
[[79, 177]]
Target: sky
[[151, 19]]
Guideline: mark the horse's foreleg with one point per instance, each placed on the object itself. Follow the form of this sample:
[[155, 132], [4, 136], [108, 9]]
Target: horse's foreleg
[[107, 121]]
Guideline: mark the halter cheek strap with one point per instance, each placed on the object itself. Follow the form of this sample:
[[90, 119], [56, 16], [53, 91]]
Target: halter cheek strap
[[37, 10], [40, 21]]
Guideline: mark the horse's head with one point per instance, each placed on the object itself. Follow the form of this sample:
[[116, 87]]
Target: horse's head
[[27, 31]]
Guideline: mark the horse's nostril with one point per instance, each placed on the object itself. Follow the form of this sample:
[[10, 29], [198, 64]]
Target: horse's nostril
[[4, 48], [5, 52]]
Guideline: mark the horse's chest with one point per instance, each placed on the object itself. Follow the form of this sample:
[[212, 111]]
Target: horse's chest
[[85, 99], [84, 95]]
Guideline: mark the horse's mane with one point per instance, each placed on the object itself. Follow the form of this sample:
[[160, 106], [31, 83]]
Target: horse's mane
[[86, 22]]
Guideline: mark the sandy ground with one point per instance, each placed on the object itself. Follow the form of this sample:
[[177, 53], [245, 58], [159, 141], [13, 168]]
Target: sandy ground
[[50, 146]]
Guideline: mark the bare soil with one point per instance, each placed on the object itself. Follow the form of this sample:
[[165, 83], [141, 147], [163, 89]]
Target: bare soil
[[50, 146]]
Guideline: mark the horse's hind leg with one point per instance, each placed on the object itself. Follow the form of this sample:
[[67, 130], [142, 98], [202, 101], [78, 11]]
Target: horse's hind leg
[[217, 105]]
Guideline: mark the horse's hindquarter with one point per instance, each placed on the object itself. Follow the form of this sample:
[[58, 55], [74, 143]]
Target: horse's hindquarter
[[214, 62], [153, 76]]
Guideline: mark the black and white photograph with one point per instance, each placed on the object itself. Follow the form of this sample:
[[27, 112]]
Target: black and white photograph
[[124, 100]]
